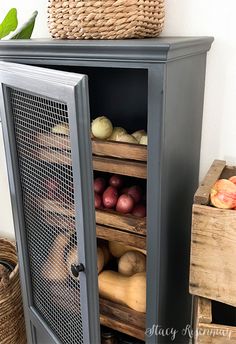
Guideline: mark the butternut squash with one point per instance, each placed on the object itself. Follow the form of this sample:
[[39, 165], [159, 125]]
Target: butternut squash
[[117, 249], [73, 259], [132, 262], [130, 291], [54, 268]]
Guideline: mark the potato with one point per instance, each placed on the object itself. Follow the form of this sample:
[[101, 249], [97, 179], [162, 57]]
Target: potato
[[127, 138], [138, 134], [117, 132], [144, 140], [101, 127]]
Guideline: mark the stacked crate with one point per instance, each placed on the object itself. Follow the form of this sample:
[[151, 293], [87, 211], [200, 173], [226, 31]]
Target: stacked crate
[[213, 260]]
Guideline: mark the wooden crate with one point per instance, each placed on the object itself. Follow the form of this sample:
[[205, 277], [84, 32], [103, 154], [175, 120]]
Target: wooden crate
[[213, 244], [206, 332], [108, 156]]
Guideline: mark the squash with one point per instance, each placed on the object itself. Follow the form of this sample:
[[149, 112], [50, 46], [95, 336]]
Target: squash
[[100, 259], [72, 259], [129, 291], [117, 249], [132, 262], [54, 268]]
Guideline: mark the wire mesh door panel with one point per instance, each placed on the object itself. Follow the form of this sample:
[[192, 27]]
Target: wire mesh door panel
[[52, 195]]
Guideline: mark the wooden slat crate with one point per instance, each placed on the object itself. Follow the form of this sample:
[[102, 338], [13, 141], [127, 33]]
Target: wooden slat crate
[[108, 156], [213, 244], [206, 332]]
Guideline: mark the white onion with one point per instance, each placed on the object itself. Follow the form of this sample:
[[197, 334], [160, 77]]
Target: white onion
[[144, 140], [102, 128], [127, 138], [138, 134], [117, 132]]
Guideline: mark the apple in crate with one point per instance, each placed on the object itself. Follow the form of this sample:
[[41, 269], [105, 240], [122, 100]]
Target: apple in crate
[[233, 179], [223, 194]]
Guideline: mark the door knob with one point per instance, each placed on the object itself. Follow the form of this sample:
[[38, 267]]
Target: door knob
[[76, 269]]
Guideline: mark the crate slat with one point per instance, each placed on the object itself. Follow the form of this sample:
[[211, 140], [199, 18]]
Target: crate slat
[[126, 238], [114, 149], [124, 167], [102, 164], [122, 319], [213, 254], [207, 332], [120, 150], [202, 195], [107, 218]]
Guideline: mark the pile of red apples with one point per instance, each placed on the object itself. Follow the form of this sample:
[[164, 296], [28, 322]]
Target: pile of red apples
[[113, 194], [223, 194]]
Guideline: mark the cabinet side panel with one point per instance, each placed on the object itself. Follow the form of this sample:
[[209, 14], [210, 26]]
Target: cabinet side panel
[[183, 109]]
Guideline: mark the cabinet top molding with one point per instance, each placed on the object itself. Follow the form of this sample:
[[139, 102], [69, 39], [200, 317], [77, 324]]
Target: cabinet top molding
[[153, 50]]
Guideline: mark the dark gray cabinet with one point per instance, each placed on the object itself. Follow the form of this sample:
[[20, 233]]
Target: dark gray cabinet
[[156, 84]]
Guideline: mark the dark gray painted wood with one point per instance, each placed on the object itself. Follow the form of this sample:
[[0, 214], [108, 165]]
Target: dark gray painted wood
[[72, 89], [155, 50]]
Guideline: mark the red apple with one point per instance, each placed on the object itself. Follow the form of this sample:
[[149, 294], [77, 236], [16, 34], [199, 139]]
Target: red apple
[[97, 200], [135, 192], [99, 185], [233, 179], [139, 210], [116, 181], [223, 194], [125, 204], [110, 197]]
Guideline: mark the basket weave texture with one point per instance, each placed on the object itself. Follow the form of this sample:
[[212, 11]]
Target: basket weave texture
[[12, 325], [105, 19]]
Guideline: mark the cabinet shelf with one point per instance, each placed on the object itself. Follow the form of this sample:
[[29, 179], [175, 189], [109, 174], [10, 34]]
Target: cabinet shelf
[[64, 216], [108, 156]]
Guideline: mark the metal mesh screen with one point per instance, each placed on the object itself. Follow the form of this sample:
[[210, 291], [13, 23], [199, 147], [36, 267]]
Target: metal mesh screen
[[47, 187]]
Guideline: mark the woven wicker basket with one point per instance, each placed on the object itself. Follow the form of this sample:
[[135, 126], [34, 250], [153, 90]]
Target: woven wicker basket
[[105, 19], [12, 325]]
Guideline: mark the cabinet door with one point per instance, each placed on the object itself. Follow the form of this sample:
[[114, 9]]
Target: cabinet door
[[52, 199]]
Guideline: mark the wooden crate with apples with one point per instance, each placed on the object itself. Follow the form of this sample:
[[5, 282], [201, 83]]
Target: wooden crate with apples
[[213, 243]]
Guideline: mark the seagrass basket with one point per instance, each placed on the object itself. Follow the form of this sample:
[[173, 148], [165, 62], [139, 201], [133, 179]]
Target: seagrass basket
[[12, 325], [105, 19]]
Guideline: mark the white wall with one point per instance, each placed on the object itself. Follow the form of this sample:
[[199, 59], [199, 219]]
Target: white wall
[[184, 18]]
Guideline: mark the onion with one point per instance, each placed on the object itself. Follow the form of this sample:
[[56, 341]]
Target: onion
[[144, 140], [116, 181], [102, 127], [117, 132], [125, 204], [99, 185], [135, 192], [62, 129], [127, 138], [139, 210], [138, 134], [97, 200], [110, 197]]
